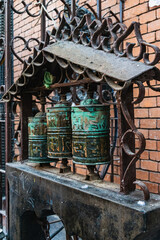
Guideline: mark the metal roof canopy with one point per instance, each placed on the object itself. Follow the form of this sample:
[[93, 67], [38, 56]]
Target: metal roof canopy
[[118, 68], [114, 68]]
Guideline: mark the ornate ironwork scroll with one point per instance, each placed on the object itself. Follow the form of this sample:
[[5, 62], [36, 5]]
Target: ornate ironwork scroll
[[86, 29], [127, 139]]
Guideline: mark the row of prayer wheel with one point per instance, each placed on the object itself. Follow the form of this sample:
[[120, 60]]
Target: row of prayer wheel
[[80, 132]]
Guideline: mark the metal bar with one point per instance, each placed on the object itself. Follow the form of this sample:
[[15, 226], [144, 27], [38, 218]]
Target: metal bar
[[1, 188], [60, 85], [125, 158], [26, 111], [73, 8], [144, 189], [43, 23], [111, 155], [56, 221], [99, 9], [68, 237], [121, 10], [8, 77], [121, 4]]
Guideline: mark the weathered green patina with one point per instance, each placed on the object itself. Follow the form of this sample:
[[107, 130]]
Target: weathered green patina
[[37, 144], [59, 132], [48, 79], [90, 133]]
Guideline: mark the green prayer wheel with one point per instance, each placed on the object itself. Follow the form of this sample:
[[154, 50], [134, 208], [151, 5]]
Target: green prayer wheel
[[59, 132], [90, 133], [37, 139]]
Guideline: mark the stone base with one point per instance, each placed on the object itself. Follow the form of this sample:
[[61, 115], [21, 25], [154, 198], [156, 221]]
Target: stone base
[[92, 211]]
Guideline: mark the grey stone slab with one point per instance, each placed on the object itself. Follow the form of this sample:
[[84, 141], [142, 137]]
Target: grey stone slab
[[88, 211], [109, 64]]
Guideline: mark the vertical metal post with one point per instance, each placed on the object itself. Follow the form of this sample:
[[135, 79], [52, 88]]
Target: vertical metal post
[[1, 186], [26, 111], [99, 9], [73, 8], [121, 10], [124, 158], [121, 17], [8, 77], [43, 23]]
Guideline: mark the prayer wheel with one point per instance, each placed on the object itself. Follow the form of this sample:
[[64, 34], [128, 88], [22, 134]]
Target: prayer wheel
[[37, 139], [59, 132], [90, 133]]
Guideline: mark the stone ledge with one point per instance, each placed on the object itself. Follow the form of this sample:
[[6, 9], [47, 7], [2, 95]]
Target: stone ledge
[[90, 211]]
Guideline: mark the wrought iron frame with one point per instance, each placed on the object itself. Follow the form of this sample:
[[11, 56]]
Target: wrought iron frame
[[99, 33]]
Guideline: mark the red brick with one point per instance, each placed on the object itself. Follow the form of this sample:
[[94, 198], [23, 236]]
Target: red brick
[[145, 155], [92, 2], [158, 101], [149, 165], [147, 17], [158, 13], [155, 155], [154, 25], [115, 170], [107, 178], [158, 123], [151, 145], [138, 164], [158, 167], [135, 11], [148, 123], [142, 1], [107, 4], [81, 171], [152, 93], [142, 175], [109, 170], [157, 35], [154, 113], [128, 23], [149, 37], [158, 145], [154, 134], [117, 179], [129, 3], [144, 28], [137, 143], [141, 113], [155, 177], [149, 102], [115, 9]]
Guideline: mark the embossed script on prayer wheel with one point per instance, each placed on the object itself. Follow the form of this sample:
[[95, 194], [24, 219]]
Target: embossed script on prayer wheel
[[59, 132], [37, 140], [90, 133]]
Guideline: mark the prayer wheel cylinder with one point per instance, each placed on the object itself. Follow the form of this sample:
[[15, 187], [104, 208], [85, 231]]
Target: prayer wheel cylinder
[[59, 132], [90, 133], [37, 139]]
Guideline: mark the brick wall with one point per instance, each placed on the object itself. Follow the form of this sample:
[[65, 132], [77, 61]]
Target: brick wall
[[147, 113]]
